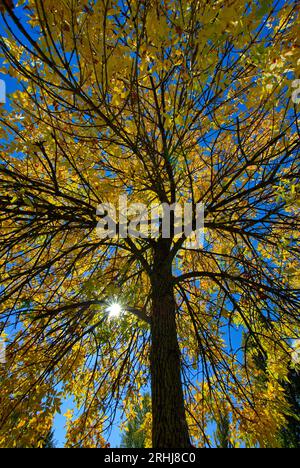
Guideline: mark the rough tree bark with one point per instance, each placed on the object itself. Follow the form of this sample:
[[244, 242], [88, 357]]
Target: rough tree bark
[[170, 429]]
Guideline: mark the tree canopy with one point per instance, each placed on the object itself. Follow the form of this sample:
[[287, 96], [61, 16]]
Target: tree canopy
[[169, 101]]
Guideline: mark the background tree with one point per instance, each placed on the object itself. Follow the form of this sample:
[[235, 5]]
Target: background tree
[[27, 407], [170, 101], [289, 434], [222, 433], [50, 441], [135, 435]]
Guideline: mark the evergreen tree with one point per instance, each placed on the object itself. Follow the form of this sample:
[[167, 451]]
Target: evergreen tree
[[290, 434], [134, 437]]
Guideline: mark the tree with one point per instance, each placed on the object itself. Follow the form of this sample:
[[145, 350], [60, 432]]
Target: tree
[[135, 435], [166, 102], [290, 433], [288, 436], [222, 433], [27, 408], [49, 442], [6, 4]]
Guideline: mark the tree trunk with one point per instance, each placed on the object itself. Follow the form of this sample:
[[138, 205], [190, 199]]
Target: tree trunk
[[170, 428]]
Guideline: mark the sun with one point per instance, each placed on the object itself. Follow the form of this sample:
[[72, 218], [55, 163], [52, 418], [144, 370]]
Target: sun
[[114, 310]]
